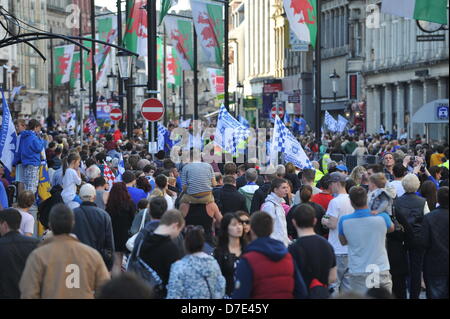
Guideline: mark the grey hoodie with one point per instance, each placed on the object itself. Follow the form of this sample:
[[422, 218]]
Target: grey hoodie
[[381, 200]]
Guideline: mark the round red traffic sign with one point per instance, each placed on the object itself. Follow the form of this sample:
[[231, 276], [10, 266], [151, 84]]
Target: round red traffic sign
[[152, 110], [280, 112], [115, 114]]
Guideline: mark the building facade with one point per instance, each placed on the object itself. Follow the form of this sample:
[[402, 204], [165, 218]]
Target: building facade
[[402, 74]]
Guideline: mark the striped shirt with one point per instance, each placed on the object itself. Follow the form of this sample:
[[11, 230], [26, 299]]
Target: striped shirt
[[197, 177]]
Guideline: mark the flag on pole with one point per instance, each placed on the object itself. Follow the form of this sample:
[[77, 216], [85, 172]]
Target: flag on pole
[[185, 124], [229, 132], [120, 169], [302, 19], [283, 141], [426, 10], [162, 131], [208, 21], [63, 63], [341, 124], [164, 10], [136, 34], [8, 136], [179, 31], [44, 185], [76, 68], [107, 29], [91, 124], [330, 123], [16, 90], [244, 121]]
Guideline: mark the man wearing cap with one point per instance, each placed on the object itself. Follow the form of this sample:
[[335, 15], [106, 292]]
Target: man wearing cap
[[93, 225], [338, 207], [342, 169], [136, 193]]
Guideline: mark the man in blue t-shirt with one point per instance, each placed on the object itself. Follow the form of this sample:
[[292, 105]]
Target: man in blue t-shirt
[[136, 194], [299, 126], [365, 235]]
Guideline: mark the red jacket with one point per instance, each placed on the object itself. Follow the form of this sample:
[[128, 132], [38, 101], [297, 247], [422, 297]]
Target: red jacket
[[271, 279]]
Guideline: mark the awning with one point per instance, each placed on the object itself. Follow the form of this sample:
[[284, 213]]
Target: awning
[[432, 113]]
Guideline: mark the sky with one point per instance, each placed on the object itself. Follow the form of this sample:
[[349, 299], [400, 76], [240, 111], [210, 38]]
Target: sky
[[111, 4]]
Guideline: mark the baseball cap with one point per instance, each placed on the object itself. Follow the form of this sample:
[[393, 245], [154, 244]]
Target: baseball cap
[[87, 191], [342, 168], [337, 177]]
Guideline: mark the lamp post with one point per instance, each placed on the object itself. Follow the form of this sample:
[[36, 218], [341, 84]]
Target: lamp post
[[334, 77], [240, 90], [125, 63]]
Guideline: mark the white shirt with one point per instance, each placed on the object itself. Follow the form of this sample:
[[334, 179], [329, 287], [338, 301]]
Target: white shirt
[[170, 202], [398, 187], [338, 207], [27, 223], [70, 182]]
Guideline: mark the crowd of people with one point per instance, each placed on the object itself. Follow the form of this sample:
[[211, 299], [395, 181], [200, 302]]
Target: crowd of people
[[119, 222]]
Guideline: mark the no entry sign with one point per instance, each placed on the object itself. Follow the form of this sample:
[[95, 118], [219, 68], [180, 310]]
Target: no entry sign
[[152, 110], [116, 114], [280, 112]]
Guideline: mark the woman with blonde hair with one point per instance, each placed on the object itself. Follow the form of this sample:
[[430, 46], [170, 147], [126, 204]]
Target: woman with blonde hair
[[358, 174]]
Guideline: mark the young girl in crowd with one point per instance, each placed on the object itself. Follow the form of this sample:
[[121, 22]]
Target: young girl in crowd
[[71, 179]]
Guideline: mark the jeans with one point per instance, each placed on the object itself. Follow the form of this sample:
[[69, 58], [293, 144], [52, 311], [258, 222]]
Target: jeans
[[342, 284], [362, 282], [437, 286]]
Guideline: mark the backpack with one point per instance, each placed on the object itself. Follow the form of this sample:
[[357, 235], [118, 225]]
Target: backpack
[[144, 271]]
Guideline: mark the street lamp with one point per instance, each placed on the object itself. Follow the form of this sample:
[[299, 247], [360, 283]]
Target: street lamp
[[334, 77], [125, 62], [112, 81], [240, 90]]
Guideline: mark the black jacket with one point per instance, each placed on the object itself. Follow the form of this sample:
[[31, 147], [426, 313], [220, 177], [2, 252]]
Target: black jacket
[[434, 240], [93, 227], [227, 262], [296, 183], [229, 200], [260, 197], [241, 181], [14, 251], [410, 207]]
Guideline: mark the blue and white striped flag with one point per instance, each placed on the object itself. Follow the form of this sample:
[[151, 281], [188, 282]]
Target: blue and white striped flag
[[330, 123], [162, 131], [283, 141], [244, 121], [342, 123], [91, 124], [8, 136], [229, 132], [185, 124]]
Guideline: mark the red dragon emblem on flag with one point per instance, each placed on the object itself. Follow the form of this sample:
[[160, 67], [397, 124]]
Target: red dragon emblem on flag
[[208, 34], [138, 16], [63, 63], [303, 7], [180, 38]]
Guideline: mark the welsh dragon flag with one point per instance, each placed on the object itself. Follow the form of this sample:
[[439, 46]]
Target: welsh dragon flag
[[63, 56], [87, 60], [208, 20], [179, 31], [107, 31], [426, 10], [165, 7], [302, 19], [160, 57], [136, 34], [75, 74], [174, 71]]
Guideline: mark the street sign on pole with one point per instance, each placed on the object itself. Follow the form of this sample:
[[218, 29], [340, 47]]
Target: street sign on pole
[[152, 110], [116, 114]]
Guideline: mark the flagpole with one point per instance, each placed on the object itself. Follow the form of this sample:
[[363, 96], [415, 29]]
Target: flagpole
[[52, 74], [226, 63], [318, 70], [152, 77], [82, 89], [195, 74], [119, 78], [94, 73], [165, 74]]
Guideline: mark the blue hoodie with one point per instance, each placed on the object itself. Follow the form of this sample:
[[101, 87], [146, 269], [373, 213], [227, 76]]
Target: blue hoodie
[[274, 250], [30, 148]]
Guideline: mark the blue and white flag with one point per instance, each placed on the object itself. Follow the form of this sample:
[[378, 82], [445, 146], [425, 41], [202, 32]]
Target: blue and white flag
[[342, 123], [330, 123], [8, 136], [185, 124], [229, 132], [91, 123], [283, 141], [244, 121], [15, 92], [162, 131]]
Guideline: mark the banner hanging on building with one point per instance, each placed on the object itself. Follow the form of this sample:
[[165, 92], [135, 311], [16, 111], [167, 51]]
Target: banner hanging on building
[[302, 19]]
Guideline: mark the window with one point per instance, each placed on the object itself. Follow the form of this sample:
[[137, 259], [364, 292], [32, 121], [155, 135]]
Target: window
[[33, 77]]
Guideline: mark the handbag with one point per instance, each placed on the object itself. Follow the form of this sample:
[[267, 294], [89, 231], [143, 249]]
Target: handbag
[[132, 239], [147, 273]]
